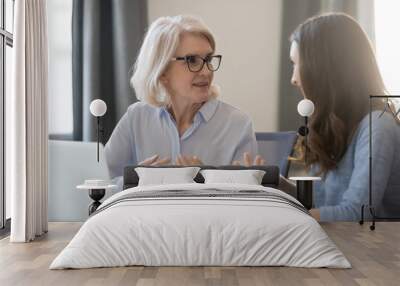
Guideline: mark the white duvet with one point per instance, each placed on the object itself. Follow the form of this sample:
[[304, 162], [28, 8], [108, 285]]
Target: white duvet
[[200, 231]]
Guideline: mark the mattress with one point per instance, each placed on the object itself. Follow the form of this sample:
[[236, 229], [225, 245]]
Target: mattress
[[201, 225]]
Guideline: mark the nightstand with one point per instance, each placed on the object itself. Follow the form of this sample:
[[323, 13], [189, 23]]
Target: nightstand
[[304, 187], [97, 190]]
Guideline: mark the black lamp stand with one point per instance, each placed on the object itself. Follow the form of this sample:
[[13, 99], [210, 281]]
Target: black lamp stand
[[304, 186], [303, 131], [370, 205], [98, 131]]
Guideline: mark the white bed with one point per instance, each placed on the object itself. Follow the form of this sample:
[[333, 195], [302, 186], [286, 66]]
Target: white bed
[[269, 229]]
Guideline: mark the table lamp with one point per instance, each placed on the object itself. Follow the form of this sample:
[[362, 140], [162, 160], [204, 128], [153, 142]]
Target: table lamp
[[98, 108], [305, 108], [97, 188], [305, 184]]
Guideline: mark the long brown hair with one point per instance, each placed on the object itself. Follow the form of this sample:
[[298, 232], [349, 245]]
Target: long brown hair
[[338, 72]]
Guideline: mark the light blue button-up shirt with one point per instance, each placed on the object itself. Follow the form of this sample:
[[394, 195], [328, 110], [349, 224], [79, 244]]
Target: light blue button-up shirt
[[219, 135]]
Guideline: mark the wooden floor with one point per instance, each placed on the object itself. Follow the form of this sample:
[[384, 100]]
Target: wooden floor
[[375, 257]]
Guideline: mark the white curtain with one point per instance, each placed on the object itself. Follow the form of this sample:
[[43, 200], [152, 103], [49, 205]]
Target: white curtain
[[27, 135]]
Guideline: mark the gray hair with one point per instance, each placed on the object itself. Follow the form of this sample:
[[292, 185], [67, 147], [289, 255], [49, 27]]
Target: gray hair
[[159, 46]]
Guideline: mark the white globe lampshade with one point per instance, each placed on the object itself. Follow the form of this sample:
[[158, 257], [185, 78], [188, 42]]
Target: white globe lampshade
[[98, 107], [305, 108]]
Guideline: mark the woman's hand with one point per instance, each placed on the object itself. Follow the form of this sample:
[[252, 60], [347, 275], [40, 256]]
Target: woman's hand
[[155, 161], [248, 160], [183, 160]]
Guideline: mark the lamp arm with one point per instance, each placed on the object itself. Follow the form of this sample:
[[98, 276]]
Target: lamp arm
[[98, 130], [305, 139]]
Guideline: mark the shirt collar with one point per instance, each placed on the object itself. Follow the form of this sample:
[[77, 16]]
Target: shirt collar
[[162, 110], [206, 111]]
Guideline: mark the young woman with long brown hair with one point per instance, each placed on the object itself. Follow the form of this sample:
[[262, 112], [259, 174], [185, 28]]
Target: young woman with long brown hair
[[335, 67]]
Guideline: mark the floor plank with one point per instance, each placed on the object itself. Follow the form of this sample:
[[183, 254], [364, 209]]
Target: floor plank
[[374, 255]]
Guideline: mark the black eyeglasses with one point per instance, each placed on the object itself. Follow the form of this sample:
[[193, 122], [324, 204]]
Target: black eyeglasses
[[196, 63]]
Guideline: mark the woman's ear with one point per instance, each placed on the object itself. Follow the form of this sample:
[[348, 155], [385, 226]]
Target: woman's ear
[[163, 79]]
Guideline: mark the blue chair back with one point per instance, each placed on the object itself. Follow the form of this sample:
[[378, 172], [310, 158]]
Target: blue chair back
[[276, 147]]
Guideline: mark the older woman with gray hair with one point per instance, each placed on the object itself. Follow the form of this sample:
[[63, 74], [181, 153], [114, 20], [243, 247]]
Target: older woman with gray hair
[[179, 119]]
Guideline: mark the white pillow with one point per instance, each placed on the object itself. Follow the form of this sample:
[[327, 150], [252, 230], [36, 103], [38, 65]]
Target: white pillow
[[163, 176], [248, 177]]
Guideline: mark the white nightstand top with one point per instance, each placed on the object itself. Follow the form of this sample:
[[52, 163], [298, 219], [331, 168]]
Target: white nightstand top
[[94, 184], [305, 178], [90, 187]]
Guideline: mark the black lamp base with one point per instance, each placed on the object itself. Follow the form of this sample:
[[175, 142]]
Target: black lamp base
[[96, 195], [305, 193]]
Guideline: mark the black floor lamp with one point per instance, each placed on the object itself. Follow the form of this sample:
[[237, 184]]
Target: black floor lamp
[[370, 206]]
